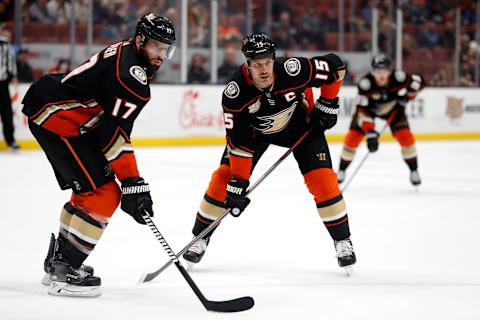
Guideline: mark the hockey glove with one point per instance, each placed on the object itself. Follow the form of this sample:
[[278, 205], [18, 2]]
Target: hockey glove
[[237, 200], [136, 198], [326, 111], [372, 140]]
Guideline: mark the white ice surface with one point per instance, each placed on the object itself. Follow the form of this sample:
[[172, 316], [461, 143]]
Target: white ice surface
[[418, 251]]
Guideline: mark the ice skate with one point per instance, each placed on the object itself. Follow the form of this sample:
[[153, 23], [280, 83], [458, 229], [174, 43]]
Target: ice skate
[[71, 282], [66, 280], [195, 253], [415, 178], [341, 176], [46, 281], [345, 255]]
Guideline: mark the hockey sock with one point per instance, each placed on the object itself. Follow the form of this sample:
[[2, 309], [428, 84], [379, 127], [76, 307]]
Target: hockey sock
[[210, 209], [322, 184], [334, 215], [344, 164], [412, 164], [409, 155], [80, 233]]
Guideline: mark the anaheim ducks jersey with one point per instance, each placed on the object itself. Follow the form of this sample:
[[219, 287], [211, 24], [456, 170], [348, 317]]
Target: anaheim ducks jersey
[[106, 93], [380, 101], [276, 115]]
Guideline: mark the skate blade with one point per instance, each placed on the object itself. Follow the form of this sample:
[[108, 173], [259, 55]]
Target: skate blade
[[348, 270], [68, 290], [46, 280]]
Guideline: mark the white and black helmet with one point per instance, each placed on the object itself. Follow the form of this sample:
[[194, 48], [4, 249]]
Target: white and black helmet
[[258, 46], [152, 26], [381, 61]]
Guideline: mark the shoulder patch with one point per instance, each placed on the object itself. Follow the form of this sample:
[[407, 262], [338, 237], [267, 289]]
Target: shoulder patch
[[139, 74], [232, 90], [292, 66], [400, 75], [365, 84]]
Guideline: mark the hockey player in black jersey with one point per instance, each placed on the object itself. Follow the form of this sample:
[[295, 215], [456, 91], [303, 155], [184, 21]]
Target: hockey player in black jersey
[[83, 121], [264, 104], [383, 93]]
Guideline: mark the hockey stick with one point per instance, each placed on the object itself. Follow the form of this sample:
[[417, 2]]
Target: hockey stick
[[387, 123], [150, 276], [235, 305]]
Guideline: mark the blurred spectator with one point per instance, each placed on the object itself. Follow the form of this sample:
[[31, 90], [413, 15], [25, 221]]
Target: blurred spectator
[[227, 29], [311, 36], [443, 77], [447, 39], [99, 12], [469, 14], [63, 66], [6, 10], [229, 65], [196, 72], [428, 36], [198, 24], [38, 11], [284, 32], [24, 70], [155, 6], [349, 78], [60, 9]]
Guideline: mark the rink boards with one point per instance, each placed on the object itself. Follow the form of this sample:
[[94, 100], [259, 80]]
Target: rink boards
[[192, 115]]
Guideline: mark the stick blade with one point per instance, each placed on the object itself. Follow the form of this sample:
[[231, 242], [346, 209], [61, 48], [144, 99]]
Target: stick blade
[[147, 277], [235, 305]]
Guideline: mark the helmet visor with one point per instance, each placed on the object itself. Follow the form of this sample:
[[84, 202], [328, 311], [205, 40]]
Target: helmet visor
[[162, 48]]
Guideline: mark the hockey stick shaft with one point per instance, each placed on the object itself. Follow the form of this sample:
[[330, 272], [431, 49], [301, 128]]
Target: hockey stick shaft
[[387, 123], [235, 305], [153, 275]]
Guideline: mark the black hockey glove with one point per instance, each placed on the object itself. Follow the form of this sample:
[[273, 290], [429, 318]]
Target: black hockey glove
[[372, 140], [237, 200], [136, 198], [325, 112]]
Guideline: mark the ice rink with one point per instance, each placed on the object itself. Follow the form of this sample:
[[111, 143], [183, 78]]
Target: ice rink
[[418, 251]]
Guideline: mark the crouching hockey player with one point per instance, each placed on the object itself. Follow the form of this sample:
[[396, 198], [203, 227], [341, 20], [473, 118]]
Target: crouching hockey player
[[263, 104], [383, 93], [83, 121]]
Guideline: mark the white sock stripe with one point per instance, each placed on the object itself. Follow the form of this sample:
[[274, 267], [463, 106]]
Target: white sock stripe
[[77, 245], [335, 217], [77, 233], [205, 215]]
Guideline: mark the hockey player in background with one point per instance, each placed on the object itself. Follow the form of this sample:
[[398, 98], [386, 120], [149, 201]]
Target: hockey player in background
[[83, 121], [264, 104], [383, 93]]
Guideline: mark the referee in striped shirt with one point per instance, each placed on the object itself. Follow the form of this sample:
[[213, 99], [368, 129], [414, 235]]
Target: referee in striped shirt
[[8, 73]]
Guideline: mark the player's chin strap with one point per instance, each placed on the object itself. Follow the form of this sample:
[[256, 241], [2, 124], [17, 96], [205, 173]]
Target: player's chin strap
[[387, 123], [150, 276]]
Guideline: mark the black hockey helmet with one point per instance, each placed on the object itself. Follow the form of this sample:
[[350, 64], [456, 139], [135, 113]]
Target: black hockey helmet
[[380, 61], [151, 26], [258, 46]]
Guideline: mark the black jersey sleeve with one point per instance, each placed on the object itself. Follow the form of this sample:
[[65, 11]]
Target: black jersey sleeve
[[312, 72], [126, 96], [237, 98], [326, 69]]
